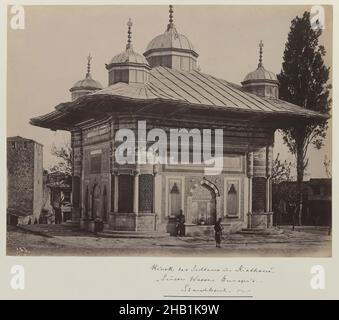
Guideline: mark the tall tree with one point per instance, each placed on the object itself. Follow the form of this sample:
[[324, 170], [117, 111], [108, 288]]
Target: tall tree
[[303, 81]]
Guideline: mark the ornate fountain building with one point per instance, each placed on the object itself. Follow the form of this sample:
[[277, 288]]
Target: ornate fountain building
[[165, 88]]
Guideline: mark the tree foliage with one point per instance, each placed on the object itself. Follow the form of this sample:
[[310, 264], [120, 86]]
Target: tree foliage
[[328, 167], [64, 153], [304, 82], [281, 170]]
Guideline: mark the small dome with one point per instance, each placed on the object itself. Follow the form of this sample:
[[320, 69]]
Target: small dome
[[261, 81], [170, 39], [261, 74], [128, 66], [129, 56], [88, 83]]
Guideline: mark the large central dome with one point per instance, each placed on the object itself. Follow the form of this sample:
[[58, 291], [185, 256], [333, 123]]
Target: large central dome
[[171, 49]]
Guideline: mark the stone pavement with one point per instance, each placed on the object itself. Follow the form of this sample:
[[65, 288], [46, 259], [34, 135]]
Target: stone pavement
[[68, 240]]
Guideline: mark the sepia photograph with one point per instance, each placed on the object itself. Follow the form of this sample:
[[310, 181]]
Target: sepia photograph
[[169, 130]]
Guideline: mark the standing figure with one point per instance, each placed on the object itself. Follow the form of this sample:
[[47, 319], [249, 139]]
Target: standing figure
[[218, 232], [180, 224], [58, 214]]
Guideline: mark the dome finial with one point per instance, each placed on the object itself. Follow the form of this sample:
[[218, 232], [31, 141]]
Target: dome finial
[[171, 24], [89, 58], [261, 44], [129, 32]]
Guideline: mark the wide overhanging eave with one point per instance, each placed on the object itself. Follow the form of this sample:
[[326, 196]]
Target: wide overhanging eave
[[97, 104]]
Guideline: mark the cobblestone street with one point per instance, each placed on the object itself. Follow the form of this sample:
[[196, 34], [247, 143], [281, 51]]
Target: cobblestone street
[[66, 240]]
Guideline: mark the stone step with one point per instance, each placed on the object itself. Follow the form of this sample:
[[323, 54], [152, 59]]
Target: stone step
[[257, 230], [260, 231], [71, 223], [132, 234], [251, 232]]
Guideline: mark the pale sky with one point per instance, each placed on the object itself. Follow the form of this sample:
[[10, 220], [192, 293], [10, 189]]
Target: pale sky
[[49, 55]]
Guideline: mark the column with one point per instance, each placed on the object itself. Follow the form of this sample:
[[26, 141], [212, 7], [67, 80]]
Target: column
[[271, 196], [108, 196], [249, 222], [155, 172], [154, 193], [219, 214], [269, 165], [268, 195], [83, 188], [75, 198], [250, 177], [136, 193], [157, 196], [116, 192], [77, 174], [153, 202]]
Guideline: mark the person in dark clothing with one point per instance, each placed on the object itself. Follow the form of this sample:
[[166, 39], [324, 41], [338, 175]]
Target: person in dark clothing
[[181, 224], [58, 214], [218, 232]]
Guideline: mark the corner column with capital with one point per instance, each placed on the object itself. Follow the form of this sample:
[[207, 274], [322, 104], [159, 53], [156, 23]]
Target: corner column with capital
[[136, 192], [269, 165], [116, 192], [113, 179], [77, 174], [250, 178], [155, 173]]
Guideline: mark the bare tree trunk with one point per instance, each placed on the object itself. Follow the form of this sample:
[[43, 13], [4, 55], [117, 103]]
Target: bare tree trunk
[[300, 178]]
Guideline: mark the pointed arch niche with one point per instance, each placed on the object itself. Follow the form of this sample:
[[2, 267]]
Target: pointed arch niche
[[232, 197], [175, 187], [203, 203]]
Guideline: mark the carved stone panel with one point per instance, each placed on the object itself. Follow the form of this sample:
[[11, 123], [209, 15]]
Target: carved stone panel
[[259, 194], [125, 203], [259, 162], [145, 193]]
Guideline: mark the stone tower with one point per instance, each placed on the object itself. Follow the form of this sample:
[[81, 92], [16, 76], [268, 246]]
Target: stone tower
[[24, 180]]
